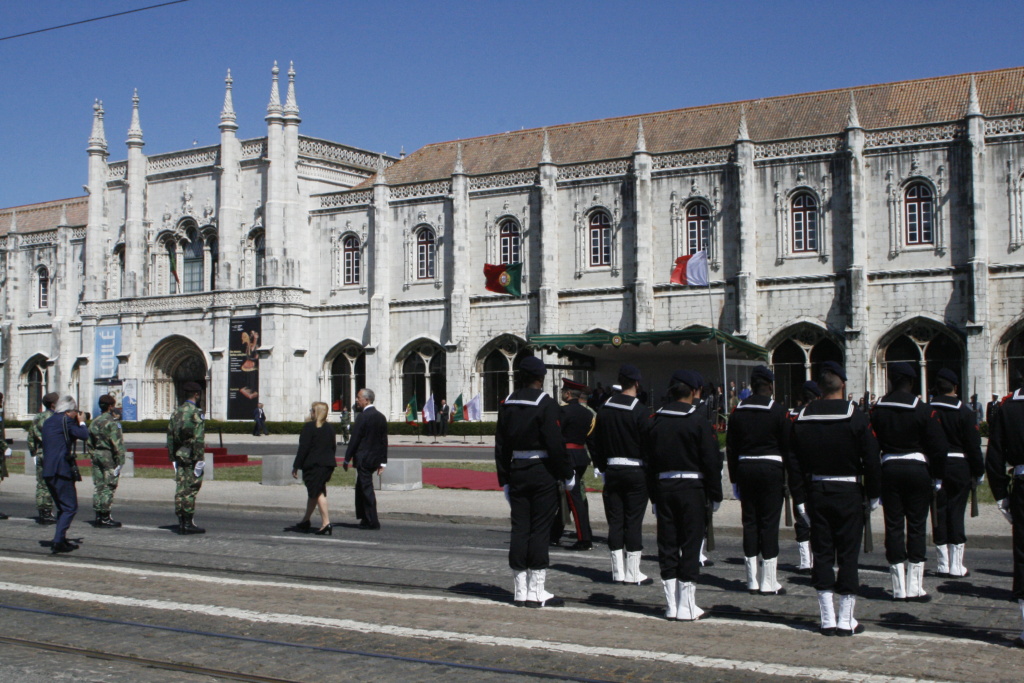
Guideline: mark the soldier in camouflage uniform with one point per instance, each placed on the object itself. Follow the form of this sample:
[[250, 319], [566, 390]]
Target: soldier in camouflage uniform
[[44, 501], [5, 453], [185, 446], [106, 448]]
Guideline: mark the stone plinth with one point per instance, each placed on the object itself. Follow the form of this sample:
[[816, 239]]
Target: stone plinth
[[277, 470], [401, 475]]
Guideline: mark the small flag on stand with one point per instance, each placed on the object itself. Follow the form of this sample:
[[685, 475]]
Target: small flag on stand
[[458, 409], [475, 409], [691, 270], [503, 279], [429, 412], [411, 411]]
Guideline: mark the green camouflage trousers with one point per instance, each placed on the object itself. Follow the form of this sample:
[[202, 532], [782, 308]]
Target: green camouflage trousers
[[44, 501], [104, 481], [186, 486]]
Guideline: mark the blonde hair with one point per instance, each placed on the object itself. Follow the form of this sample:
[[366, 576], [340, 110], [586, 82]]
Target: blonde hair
[[319, 411]]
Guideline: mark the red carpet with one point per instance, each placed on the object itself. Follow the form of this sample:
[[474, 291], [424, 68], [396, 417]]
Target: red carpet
[[452, 478]]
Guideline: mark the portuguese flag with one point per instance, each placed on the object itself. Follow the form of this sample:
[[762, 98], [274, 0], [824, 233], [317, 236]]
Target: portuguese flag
[[457, 410], [503, 279], [411, 413]]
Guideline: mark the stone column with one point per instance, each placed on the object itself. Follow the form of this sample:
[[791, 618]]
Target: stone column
[[274, 212], [546, 241], [643, 235], [229, 204], [979, 330], [379, 365], [746, 276], [857, 332], [296, 244], [461, 270], [95, 266]]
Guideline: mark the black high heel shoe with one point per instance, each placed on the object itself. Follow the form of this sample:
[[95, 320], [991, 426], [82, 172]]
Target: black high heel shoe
[[325, 530], [303, 526]]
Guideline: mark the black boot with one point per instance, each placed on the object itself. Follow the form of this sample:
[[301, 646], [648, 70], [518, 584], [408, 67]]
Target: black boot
[[189, 527], [104, 521], [46, 516], [3, 516]]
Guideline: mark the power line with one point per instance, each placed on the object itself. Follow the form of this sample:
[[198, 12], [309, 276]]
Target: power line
[[86, 21]]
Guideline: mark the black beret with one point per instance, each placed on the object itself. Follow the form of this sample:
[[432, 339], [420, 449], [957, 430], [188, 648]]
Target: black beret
[[630, 372], [897, 370], [534, 366], [107, 400], [949, 376], [191, 388], [690, 378], [835, 368], [762, 372], [812, 386]]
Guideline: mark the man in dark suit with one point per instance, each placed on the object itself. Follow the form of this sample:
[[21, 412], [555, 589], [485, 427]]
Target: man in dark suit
[[444, 415], [260, 419], [368, 447]]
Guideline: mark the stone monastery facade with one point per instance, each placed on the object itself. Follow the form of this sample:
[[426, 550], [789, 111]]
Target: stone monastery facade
[[869, 225]]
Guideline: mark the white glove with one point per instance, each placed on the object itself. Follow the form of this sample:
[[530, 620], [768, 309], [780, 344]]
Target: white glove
[[875, 502], [506, 488], [35, 461], [7, 453], [801, 510], [654, 509], [174, 465], [736, 491], [1004, 507], [937, 483], [570, 482], [715, 506], [200, 466], [980, 480], [600, 474], [117, 471]]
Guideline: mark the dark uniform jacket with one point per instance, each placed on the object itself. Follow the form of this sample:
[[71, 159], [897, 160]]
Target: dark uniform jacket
[[59, 433], [961, 431], [833, 438], [577, 423], [1005, 443], [317, 447], [680, 439], [758, 426], [620, 432], [903, 423], [369, 443], [528, 421]]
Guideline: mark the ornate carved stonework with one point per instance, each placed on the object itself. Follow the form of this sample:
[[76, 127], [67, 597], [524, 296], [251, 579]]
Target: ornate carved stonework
[[825, 145], [492, 233], [783, 199], [117, 171], [703, 157], [340, 199], [678, 208], [1015, 194], [441, 187], [895, 194], [202, 301], [581, 219], [1008, 126], [339, 154], [916, 135], [177, 161], [598, 169], [254, 149], [500, 180]]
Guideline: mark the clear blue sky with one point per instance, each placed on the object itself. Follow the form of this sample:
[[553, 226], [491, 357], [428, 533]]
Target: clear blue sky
[[385, 74]]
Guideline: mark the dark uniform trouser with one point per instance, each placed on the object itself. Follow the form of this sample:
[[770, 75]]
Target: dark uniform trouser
[[1017, 510], [65, 499], [366, 499], [761, 483], [951, 503], [533, 497], [581, 514], [836, 510], [682, 516], [802, 529], [625, 501], [906, 499]]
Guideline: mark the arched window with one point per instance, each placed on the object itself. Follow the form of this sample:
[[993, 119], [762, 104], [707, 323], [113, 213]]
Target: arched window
[[698, 224], [35, 390], [43, 288], [804, 210], [348, 375], [496, 379], [600, 239], [425, 251], [261, 261], [193, 267], [510, 242], [119, 256], [414, 380], [351, 261], [919, 206]]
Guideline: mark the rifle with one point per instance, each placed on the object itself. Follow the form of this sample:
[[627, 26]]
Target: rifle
[[935, 512], [869, 542], [974, 498], [709, 531], [788, 504]]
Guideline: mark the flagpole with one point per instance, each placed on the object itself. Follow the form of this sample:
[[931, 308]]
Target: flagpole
[[711, 308]]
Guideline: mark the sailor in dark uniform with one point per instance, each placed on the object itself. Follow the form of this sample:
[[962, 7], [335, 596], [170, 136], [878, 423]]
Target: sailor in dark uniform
[[964, 464], [757, 446], [833, 452], [686, 466], [617, 449], [577, 423], [913, 464], [533, 468], [801, 526], [1004, 464]]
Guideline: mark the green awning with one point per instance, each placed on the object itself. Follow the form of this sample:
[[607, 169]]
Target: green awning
[[696, 334]]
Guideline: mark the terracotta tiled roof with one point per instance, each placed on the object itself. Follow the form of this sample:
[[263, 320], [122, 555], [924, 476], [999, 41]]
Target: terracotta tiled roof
[[45, 216], [906, 103]]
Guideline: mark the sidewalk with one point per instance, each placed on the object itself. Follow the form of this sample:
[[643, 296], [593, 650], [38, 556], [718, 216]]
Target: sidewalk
[[989, 530]]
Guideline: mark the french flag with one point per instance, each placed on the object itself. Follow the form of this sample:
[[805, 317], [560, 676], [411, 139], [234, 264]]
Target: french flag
[[691, 270]]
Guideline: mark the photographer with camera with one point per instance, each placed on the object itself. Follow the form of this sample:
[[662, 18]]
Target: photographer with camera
[[60, 471]]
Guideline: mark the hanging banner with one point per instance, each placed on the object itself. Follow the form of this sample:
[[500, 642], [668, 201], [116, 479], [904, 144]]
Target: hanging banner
[[108, 345], [130, 400], [243, 367]]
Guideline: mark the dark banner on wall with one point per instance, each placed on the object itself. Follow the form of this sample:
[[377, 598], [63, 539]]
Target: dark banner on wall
[[243, 368]]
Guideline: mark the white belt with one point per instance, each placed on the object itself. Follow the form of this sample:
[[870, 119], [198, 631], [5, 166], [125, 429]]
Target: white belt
[[954, 455], [680, 475], [629, 462], [1018, 471], [917, 457], [845, 480], [773, 458], [529, 455]]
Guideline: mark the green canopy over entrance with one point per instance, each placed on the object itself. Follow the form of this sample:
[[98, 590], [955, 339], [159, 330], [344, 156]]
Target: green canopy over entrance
[[695, 334]]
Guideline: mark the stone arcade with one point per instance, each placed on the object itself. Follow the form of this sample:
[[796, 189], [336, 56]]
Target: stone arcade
[[869, 225]]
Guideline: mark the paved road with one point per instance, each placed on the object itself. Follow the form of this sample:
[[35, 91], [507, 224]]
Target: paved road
[[252, 597]]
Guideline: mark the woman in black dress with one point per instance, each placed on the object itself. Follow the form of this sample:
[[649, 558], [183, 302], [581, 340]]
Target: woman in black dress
[[316, 459]]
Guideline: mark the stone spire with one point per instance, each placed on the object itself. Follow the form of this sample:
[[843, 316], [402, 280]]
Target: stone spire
[[381, 179], [14, 220], [459, 169], [973, 106], [227, 114], [291, 105], [741, 132], [135, 129], [63, 215], [274, 107], [401, 153], [641, 141], [545, 151], [852, 120], [98, 139]]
